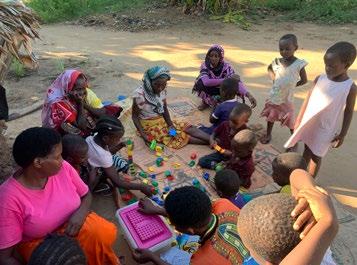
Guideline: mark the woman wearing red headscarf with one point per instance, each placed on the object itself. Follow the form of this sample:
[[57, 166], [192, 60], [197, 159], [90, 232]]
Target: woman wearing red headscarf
[[67, 108]]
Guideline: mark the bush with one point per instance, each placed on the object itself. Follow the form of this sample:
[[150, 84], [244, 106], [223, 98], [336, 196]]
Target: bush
[[59, 10]]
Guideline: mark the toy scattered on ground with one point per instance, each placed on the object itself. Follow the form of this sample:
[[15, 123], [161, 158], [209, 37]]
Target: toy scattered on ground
[[218, 149], [169, 176], [130, 148], [143, 174], [172, 132], [192, 163], [159, 150], [144, 231], [121, 97], [176, 165], [159, 162], [153, 145], [206, 176], [157, 200], [127, 196], [193, 156], [196, 183], [151, 169]]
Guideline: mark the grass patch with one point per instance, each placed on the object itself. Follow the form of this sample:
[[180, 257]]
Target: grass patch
[[18, 68], [59, 10]]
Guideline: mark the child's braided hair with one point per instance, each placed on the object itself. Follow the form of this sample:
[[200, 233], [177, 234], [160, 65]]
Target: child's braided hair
[[58, 250]]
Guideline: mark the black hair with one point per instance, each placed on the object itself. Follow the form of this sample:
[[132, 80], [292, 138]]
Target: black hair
[[58, 250], [346, 51], [266, 226], [290, 37], [32, 143], [229, 87], [246, 138], [107, 125], [227, 181], [188, 207], [239, 109], [284, 164], [71, 143]]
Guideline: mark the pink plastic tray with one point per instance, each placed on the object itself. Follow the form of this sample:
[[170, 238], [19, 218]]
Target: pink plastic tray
[[145, 230]]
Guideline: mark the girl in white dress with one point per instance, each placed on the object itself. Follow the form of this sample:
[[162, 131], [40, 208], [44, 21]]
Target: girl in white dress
[[287, 73], [318, 121]]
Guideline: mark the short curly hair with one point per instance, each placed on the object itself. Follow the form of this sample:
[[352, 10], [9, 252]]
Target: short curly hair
[[188, 207], [284, 164], [33, 143], [290, 37], [227, 182], [346, 51], [71, 143], [266, 226], [58, 250]]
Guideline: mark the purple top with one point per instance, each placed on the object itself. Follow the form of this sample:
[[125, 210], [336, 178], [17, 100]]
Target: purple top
[[213, 77], [238, 200], [222, 111]]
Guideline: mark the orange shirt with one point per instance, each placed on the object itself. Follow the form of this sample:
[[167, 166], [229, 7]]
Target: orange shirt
[[225, 246]]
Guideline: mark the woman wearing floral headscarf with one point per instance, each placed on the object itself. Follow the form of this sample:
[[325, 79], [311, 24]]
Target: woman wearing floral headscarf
[[151, 116], [212, 73], [71, 107]]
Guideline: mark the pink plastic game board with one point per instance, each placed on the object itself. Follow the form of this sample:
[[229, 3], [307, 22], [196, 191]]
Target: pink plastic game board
[[144, 231]]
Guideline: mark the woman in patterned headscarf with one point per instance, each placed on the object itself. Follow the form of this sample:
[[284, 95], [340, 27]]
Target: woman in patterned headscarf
[[151, 116], [212, 73]]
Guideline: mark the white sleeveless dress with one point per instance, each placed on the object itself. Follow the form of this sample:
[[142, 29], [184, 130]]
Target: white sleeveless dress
[[320, 122]]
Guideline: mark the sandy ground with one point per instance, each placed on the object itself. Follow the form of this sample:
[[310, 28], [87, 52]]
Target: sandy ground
[[115, 62]]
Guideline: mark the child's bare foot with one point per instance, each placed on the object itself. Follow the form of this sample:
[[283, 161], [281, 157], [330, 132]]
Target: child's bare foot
[[265, 139], [203, 106]]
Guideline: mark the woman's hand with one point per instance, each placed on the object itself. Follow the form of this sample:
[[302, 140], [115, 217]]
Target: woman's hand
[[227, 153], [75, 223], [236, 76]]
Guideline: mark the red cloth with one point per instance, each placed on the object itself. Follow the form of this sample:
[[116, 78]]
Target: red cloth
[[244, 168], [224, 134]]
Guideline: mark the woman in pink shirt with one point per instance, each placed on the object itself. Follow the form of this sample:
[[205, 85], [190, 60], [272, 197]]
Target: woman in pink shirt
[[46, 195]]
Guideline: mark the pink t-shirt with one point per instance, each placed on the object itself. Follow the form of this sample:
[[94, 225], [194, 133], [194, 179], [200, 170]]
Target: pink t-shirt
[[27, 214]]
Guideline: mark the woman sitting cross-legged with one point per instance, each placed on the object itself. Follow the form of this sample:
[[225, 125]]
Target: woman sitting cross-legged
[[47, 195], [151, 116]]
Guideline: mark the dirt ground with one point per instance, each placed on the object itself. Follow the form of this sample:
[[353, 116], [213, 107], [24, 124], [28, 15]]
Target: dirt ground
[[115, 62]]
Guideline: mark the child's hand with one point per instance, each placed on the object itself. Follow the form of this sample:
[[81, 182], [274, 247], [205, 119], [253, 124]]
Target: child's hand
[[304, 217], [146, 189], [320, 203], [212, 143], [147, 206], [227, 153], [337, 141], [142, 255]]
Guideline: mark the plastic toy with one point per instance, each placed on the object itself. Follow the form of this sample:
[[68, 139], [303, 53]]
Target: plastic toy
[[193, 156], [218, 167], [153, 145], [172, 132], [151, 169], [145, 181], [154, 183], [158, 200], [167, 189], [192, 163], [159, 161], [206, 176], [218, 149], [144, 231], [121, 97], [154, 190], [196, 183], [143, 174], [167, 173], [176, 165], [153, 176], [107, 103]]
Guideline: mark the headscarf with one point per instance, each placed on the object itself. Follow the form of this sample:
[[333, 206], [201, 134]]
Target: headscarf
[[222, 70], [58, 91], [149, 76], [219, 67]]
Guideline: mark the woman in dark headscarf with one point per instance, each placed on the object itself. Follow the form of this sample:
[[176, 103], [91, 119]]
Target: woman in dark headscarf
[[212, 73]]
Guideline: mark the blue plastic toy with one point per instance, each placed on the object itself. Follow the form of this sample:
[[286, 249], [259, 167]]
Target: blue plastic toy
[[206, 176], [158, 201], [107, 103], [172, 132], [121, 97]]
